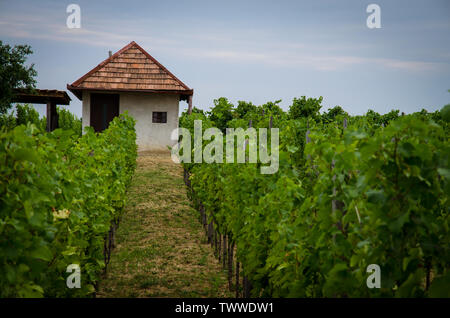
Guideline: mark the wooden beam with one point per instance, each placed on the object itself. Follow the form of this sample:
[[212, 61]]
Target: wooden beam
[[41, 96]]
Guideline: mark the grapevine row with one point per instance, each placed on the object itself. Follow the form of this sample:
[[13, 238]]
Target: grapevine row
[[61, 200], [367, 194]]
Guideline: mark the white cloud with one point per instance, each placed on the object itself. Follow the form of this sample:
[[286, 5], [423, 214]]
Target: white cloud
[[232, 46]]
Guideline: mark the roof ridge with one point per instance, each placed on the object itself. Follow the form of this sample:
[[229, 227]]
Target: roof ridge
[[115, 55], [160, 65], [102, 64]]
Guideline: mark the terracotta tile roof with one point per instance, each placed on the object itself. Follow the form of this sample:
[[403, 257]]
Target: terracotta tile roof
[[130, 69]]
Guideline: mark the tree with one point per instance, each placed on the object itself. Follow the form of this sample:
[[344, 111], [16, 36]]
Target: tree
[[392, 115], [243, 108], [302, 107], [272, 108], [445, 113], [373, 117], [221, 113], [333, 113], [13, 73]]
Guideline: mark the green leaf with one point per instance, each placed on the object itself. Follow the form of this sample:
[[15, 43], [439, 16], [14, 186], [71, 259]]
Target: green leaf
[[292, 149], [31, 291], [444, 172], [406, 149], [42, 252], [376, 196], [24, 154], [29, 212]]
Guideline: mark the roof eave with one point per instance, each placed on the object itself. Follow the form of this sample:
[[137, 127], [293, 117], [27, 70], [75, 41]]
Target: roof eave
[[41, 96], [78, 91]]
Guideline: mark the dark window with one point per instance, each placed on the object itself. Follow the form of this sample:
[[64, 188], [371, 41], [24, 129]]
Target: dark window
[[159, 117]]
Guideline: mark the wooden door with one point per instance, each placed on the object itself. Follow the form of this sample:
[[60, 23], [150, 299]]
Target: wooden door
[[104, 107]]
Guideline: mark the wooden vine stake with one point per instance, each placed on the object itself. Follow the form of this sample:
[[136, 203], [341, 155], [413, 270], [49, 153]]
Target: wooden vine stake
[[237, 279], [224, 256], [217, 235], [308, 140], [210, 233], [335, 204], [230, 263], [247, 287]]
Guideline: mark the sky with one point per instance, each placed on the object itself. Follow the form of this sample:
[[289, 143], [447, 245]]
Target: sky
[[256, 51]]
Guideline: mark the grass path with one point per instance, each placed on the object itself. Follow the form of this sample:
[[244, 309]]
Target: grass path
[[161, 249]]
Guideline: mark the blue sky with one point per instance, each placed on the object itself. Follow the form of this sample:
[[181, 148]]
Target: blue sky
[[256, 51]]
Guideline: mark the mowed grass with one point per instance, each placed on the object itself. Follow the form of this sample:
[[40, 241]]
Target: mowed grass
[[161, 248]]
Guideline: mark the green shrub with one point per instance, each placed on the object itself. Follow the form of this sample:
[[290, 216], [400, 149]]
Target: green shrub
[[27, 114], [67, 120]]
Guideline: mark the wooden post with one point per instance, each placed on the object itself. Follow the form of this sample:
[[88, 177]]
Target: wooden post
[[237, 278], [49, 116], [230, 263], [224, 257], [210, 233], [52, 117], [203, 213], [190, 105], [219, 247], [308, 140], [247, 287], [215, 241], [334, 203]]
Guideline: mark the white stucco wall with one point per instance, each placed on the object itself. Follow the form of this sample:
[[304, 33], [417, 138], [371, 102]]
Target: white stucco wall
[[86, 111], [150, 136]]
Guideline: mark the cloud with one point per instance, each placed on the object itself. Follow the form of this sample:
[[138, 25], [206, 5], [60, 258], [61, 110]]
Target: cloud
[[229, 46], [317, 62]]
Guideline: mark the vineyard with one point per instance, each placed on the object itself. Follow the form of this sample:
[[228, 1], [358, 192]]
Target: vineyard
[[61, 198], [121, 177], [350, 191]]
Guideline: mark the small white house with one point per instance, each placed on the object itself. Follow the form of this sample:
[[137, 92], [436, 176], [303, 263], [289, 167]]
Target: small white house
[[132, 80]]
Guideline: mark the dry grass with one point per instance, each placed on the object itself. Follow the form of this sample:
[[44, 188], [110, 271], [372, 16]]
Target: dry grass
[[161, 247]]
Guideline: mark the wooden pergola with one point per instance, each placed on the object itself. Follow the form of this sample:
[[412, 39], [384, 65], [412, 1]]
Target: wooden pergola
[[51, 97]]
